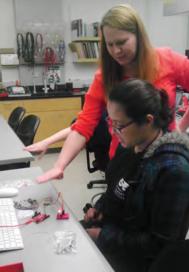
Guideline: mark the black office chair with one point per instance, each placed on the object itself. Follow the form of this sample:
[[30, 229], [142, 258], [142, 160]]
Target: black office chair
[[98, 145], [173, 258], [26, 132], [16, 117], [28, 128]]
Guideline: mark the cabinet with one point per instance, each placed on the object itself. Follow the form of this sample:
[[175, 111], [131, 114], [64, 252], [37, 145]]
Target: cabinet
[[55, 113], [85, 49]]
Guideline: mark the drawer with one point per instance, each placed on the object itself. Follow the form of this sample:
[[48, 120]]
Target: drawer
[[55, 104], [6, 107]]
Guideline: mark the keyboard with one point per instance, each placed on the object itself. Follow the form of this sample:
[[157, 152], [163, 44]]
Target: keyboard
[[10, 237]]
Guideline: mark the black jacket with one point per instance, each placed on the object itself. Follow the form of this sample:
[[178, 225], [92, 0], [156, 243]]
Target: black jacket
[[146, 204]]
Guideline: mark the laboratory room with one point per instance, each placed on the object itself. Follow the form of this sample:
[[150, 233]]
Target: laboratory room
[[94, 146]]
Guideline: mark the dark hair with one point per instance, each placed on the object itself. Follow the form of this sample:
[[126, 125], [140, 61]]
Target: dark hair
[[138, 98]]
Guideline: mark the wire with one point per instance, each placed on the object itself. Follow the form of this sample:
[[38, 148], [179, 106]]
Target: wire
[[61, 51], [39, 217], [18, 225], [49, 57], [60, 197], [29, 48], [20, 45], [38, 44], [62, 202]]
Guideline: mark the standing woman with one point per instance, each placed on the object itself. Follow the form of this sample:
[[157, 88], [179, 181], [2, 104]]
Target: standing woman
[[146, 205], [126, 52]]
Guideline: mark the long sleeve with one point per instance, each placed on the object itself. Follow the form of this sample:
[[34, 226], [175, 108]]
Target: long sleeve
[[181, 69], [167, 218], [95, 103], [173, 70]]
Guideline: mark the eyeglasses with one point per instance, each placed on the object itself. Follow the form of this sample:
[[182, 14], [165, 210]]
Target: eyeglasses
[[118, 129]]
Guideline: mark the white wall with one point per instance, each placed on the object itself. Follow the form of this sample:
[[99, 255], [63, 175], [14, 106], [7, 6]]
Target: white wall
[[163, 31], [166, 30], [7, 24], [8, 35]]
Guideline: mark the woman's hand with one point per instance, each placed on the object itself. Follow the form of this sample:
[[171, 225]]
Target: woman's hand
[[92, 215], [94, 233], [40, 147], [54, 173]]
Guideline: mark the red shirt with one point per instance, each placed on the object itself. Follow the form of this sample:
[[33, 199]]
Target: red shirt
[[173, 71]]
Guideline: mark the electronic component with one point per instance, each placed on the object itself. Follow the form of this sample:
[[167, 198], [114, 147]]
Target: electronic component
[[61, 215], [28, 204], [39, 217]]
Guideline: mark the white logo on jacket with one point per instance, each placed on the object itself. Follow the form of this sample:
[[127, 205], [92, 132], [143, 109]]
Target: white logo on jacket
[[123, 184], [121, 188]]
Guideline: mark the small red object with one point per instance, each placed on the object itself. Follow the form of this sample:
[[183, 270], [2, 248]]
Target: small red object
[[14, 267], [39, 217], [61, 215], [4, 94]]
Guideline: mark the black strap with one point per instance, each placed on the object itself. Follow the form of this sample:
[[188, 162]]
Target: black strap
[[20, 45], [29, 48], [39, 44]]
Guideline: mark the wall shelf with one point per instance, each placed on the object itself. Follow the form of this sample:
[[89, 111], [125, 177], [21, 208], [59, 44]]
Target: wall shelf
[[85, 49], [87, 38], [86, 60]]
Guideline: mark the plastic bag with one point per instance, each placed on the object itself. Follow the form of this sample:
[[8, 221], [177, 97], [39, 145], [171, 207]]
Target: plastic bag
[[64, 242]]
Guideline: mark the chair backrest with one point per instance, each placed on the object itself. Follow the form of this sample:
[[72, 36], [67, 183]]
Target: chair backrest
[[173, 258], [16, 117], [99, 144], [28, 128]]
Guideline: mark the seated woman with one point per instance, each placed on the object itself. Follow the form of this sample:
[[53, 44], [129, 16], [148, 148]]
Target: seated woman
[[146, 205]]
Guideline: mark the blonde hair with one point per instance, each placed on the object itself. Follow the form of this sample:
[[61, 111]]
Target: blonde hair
[[124, 17]]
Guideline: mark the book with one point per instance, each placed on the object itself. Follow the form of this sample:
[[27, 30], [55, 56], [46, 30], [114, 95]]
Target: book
[[75, 29], [77, 49], [96, 29]]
